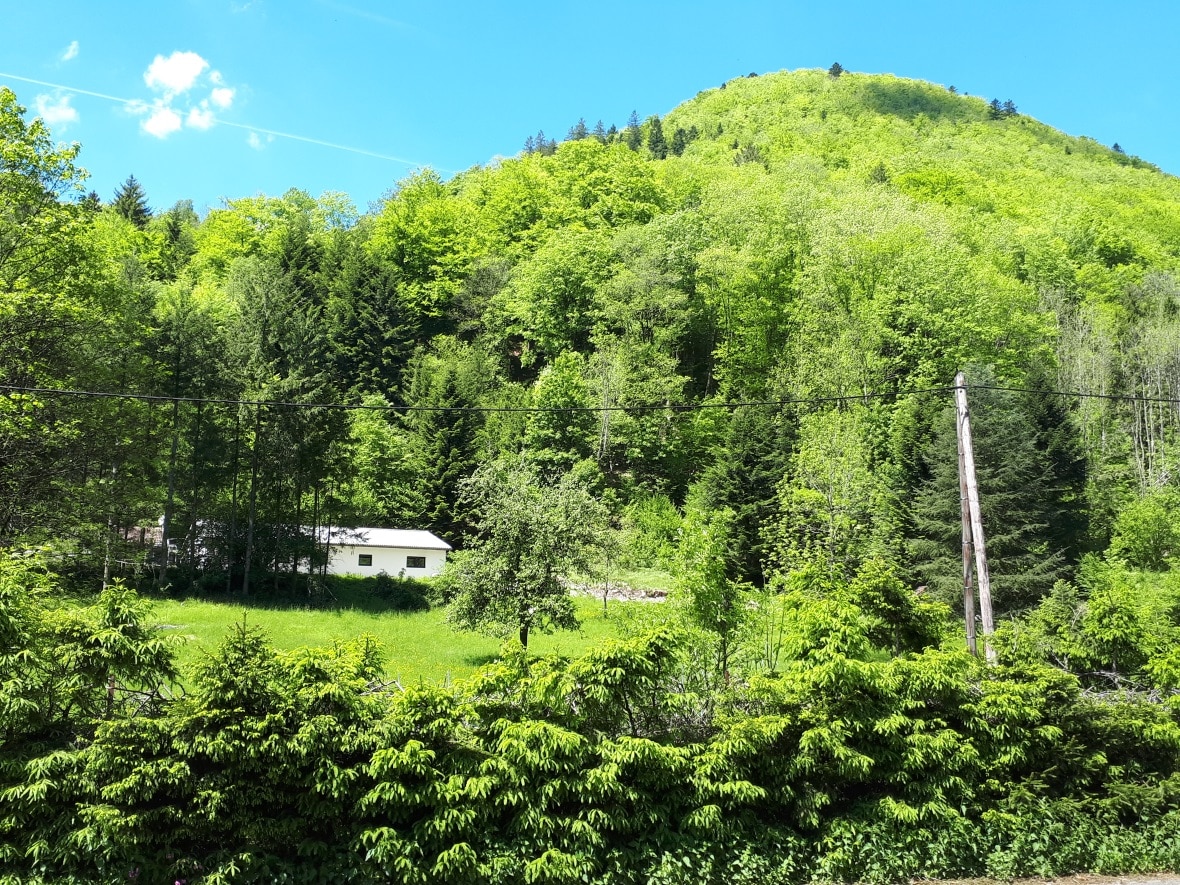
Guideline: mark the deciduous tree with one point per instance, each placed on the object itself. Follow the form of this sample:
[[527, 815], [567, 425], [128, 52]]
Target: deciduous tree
[[531, 536]]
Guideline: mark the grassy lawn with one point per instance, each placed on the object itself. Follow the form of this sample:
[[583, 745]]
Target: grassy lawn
[[418, 646]]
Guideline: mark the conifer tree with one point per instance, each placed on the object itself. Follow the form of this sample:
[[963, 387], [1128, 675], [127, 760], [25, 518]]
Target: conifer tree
[[1020, 498], [130, 201], [655, 138], [679, 141], [744, 479], [835, 70], [632, 137], [600, 132], [578, 131]]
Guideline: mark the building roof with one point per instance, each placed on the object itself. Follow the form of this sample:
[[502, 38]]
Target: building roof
[[371, 537]]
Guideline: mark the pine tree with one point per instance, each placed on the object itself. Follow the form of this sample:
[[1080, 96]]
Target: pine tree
[[131, 202], [1058, 438], [631, 135], [995, 110], [744, 478], [578, 131], [835, 70], [1009, 108], [600, 132], [655, 138], [679, 141], [1020, 499]]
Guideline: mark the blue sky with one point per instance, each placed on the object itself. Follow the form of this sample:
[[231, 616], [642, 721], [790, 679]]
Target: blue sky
[[213, 99]]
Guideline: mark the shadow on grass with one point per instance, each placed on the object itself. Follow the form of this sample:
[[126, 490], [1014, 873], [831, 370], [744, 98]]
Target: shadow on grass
[[907, 99], [375, 596], [480, 660]]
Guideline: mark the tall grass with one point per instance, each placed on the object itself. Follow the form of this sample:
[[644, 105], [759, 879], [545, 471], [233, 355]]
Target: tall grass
[[419, 646]]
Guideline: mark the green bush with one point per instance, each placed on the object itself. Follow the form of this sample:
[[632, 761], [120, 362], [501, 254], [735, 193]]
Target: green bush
[[847, 763]]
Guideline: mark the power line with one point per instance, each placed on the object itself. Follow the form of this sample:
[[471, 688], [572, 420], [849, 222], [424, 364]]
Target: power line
[[638, 407], [1077, 394], [389, 407]]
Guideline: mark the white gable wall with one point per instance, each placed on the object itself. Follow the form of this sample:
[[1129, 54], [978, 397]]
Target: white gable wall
[[346, 560]]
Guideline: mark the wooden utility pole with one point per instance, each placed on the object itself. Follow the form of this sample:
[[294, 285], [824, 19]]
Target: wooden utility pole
[[968, 554], [967, 480]]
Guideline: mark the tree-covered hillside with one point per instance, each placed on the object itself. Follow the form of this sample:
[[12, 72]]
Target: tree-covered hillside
[[720, 343], [827, 248]]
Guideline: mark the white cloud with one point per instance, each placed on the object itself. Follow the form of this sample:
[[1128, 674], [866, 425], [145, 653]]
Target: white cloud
[[55, 110], [174, 78], [257, 142], [200, 118], [175, 74], [222, 96], [71, 52], [162, 123]]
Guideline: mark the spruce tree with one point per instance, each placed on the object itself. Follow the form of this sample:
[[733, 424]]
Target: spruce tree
[[655, 138], [679, 141], [131, 202], [1020, 499], [632, 137], [578, 131], [600, 132], [744, 478], [1059, 440]]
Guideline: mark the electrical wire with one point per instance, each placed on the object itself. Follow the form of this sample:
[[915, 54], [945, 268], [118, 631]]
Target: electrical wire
[[638, 407], [389, 407]]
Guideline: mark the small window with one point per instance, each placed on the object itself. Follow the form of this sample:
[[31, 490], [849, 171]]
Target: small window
[[365, 559], [415, 562]]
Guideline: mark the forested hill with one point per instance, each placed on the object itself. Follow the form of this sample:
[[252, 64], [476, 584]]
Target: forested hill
[[835, 243]]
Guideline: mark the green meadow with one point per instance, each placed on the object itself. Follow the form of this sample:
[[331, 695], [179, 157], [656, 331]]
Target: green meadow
[[418, 646]]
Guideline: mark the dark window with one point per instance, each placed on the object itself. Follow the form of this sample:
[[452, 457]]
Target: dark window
[[365, 559], [415, 562]]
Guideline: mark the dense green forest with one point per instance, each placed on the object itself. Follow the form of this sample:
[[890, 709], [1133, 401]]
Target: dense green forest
[[735, 328], [839, 245]]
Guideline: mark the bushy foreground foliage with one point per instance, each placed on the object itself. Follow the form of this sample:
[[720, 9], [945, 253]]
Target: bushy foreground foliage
[[847, 763]]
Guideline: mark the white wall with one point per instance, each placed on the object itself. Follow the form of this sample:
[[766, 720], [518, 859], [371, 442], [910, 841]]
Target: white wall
[[391, 560]]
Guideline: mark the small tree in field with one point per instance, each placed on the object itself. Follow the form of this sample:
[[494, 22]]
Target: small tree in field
[[707, 596], [529, 535]]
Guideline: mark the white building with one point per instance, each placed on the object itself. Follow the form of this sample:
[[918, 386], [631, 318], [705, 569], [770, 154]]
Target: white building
[[367, 552]]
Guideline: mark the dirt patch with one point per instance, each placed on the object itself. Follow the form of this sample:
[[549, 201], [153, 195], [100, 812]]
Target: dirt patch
[[617, 592]]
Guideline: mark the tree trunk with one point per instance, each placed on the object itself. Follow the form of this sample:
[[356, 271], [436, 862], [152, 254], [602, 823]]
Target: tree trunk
[[253, 503], [167, 529]]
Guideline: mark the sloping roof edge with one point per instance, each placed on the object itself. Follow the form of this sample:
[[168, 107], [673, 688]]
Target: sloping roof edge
[[363, 536]]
